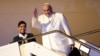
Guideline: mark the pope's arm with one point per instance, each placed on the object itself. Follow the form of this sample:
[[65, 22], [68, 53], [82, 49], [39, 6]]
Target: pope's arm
[[66, 28], [35, 22]]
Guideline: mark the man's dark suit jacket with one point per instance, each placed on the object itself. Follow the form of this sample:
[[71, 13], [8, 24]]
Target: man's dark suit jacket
[[17, 38]]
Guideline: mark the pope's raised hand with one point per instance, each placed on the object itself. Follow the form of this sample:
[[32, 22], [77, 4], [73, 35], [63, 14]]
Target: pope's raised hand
[[35, 13]]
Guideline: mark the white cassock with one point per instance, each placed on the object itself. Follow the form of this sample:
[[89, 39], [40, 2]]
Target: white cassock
[[55, 41]]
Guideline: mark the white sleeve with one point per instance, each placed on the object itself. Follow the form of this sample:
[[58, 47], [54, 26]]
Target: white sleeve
[[35, 23], [66, 28]]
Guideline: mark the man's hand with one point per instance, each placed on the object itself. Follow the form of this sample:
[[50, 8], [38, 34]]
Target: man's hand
[[35, 13], [72, 46]]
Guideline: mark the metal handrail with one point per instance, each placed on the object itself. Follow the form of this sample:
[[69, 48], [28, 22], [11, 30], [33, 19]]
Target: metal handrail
[[81, 42]]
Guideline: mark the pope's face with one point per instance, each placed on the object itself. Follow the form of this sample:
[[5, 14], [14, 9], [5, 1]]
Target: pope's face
[[22, 28], [47, 10]]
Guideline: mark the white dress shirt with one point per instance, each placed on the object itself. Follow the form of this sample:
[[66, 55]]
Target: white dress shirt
[[23, 36], [54, 41]]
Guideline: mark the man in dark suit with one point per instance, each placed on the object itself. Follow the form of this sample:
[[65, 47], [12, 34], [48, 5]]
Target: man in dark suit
[[22, 34]]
